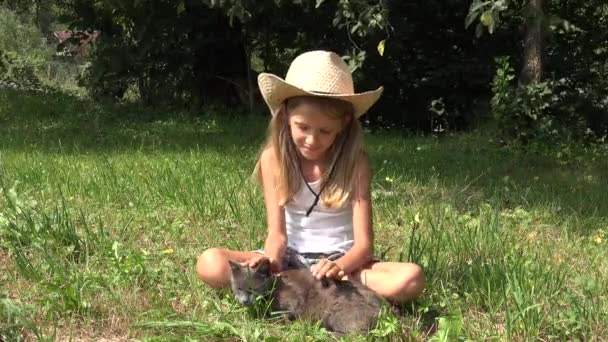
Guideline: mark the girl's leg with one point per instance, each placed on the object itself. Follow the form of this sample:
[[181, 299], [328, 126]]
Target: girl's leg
[[213, 268], [396, 281]]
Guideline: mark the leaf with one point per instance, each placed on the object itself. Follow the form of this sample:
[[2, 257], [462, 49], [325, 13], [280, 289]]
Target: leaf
[[181, 7], [12, 196], [381, 47], [477, 5], [451, 324], [355, 27], [487, 19], [478, 30], [319, 3], [115, 247], [470, 18]]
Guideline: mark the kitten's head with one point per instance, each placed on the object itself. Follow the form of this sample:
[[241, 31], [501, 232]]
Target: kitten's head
[[249, 283]]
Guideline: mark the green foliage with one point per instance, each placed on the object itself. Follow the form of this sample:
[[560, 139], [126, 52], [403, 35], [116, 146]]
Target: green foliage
[[197, 53], [548, 111], [25, 58], [14, 317], [19, 73], [42, 14], [21, 38], [577, 59], [361, 18], [172, 53], [387, 325], [489, 14], [169, 62], [521, 112], [570, 102], [449, 328], [430, 55], [27, 231], [190, 53], [21, 50]]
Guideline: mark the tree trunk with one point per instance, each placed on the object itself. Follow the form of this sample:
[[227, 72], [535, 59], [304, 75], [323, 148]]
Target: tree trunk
[[532, 70], [250, 89]]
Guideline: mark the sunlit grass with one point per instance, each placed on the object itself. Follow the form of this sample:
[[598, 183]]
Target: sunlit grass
[[103, 211]]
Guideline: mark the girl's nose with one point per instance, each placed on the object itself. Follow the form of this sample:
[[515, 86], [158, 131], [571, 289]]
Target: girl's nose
[[311, 139]]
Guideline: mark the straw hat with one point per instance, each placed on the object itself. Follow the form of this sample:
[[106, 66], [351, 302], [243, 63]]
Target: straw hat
[[316, 73]]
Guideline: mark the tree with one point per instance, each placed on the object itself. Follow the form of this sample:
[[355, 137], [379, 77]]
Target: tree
[[491, 13], [42, 13], [198, 52], [532, 69], [562, 76], [193, 53]]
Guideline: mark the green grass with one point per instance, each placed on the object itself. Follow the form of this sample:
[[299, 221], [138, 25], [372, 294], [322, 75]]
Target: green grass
[[104, 210]]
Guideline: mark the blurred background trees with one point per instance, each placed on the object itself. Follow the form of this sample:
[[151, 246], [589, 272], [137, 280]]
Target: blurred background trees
[[532, 69]]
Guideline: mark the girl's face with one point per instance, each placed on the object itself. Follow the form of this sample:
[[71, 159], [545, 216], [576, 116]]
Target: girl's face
[[313, 132]]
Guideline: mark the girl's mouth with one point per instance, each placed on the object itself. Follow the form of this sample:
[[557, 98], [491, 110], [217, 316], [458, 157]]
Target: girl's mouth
[[309, 149]]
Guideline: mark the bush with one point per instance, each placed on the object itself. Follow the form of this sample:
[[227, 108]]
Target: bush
[[521, 112], [17, 73], [23, 53], [550, 110], [22, 39], [26, 60]]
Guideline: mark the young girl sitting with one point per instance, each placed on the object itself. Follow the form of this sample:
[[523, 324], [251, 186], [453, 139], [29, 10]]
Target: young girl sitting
[[316, 180]]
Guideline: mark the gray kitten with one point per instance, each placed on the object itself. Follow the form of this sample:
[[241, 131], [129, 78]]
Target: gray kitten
[[342, 307]]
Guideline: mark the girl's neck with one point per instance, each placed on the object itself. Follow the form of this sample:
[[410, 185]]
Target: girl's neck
[[312, 171]]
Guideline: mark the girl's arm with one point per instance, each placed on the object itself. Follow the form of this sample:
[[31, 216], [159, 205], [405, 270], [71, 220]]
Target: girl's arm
[[276, 240], [363, 249]]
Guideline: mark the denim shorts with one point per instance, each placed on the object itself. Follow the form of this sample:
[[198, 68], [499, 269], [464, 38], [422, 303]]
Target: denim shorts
[[293, 259]]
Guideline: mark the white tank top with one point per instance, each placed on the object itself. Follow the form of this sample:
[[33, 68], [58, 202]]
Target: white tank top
[[324, 230]]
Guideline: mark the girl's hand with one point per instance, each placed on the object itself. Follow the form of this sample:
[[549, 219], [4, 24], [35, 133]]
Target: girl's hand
[[275, 264], [327, 269]]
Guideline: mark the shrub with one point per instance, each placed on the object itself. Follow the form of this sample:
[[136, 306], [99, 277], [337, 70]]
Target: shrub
[[23, 53], [549, 110]]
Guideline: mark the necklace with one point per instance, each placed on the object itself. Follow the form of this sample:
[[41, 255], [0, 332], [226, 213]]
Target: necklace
[[323, 183]]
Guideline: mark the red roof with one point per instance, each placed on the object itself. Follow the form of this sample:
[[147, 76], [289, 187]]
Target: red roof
[[84, 36]]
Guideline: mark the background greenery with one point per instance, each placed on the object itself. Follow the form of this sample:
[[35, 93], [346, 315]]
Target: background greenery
[[436, 60]]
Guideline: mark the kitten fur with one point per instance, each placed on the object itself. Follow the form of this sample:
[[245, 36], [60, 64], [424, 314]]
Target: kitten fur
[[342, 307]]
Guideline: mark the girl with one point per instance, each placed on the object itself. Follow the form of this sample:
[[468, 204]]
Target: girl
[[316, 180]]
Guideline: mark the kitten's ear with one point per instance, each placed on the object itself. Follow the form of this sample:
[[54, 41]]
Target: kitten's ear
[[235, 267], [263, 267]]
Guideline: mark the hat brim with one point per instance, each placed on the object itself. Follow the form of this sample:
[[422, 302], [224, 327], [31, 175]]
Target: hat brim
[[275, 90]]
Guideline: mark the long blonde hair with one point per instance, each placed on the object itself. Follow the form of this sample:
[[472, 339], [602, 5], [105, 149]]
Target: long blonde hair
[[344, 153]]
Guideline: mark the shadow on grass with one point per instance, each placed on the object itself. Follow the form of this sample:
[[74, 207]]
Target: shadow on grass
[[66, 124], [468, 169], [464, 170]]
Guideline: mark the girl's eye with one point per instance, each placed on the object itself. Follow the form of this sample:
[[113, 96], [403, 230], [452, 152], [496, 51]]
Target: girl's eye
[[325, 132]]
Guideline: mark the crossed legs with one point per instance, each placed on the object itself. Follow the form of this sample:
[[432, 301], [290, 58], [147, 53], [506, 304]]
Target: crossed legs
[[395, 281]]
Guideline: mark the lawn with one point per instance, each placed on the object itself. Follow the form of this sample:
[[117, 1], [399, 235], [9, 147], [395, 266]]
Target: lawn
[[104, 210]]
